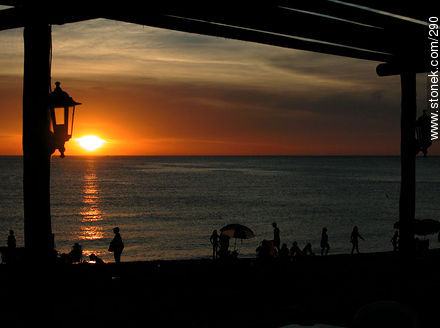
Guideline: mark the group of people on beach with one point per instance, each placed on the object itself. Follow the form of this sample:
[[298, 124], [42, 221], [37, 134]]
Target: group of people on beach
[[116, 247], [76, 254], [273, 248], [220, 245]]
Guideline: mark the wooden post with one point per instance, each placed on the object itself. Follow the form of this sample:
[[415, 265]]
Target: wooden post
[[408, 162], [36, 157]]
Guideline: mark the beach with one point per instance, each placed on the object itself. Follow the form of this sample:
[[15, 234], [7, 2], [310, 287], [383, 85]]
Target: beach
[[206, 293]]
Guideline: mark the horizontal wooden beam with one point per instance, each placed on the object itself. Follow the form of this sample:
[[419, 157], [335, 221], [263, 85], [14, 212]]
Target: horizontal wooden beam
[[347, 12], [255, 20], [230, 32], [12, 3], [389, 69], [10, 18], [274, 19], [420, 9]]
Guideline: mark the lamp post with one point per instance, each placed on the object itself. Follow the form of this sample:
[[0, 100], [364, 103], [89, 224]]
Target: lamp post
[[62, 114]]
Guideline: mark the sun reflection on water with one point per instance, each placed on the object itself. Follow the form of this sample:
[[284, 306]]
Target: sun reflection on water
[[90, 211]]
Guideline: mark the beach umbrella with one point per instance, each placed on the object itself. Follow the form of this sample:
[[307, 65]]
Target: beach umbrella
[[238, 231], [423, 227]]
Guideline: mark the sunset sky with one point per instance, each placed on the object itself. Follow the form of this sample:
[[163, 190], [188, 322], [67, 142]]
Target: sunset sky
[[150, 91]]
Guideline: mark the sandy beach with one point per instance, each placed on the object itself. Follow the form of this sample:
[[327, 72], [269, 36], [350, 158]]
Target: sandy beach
[[206, 293]]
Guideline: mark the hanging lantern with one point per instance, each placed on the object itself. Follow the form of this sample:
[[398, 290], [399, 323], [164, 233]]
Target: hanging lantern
[[62, 114]]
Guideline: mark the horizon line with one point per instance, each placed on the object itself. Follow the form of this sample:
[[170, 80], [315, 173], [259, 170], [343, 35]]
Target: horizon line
[[229, 155]]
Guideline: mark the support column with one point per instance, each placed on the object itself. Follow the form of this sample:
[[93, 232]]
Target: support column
[[36, 158], [408, 162]]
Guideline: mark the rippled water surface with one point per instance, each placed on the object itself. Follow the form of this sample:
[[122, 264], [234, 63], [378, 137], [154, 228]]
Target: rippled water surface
[[167, 207]]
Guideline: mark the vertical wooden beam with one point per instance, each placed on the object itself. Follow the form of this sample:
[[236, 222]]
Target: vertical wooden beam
[[36, 156], [408, 162]]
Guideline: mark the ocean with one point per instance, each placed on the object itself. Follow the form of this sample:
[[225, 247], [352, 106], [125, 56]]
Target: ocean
[[167, 207]]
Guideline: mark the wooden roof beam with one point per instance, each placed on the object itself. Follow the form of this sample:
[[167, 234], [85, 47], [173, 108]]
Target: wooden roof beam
[[352, 13], [231, 32], [10, 18], [266, 16], [418, 10]]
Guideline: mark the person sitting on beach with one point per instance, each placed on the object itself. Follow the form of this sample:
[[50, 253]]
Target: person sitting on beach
[[95, 259], [308, 250], [395, 241], [325, 247], [264, 252], [276, 236], [295, 250], [354, 239], [116, 245], [76, 253], [284, 252], [214, 239]]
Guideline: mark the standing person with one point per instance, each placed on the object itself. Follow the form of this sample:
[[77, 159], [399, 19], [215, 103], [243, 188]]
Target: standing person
[[12, 243], [224, 246], [354, 239], [395, 241], [325, 247], [276, 236], [116, 245], [76, 253], [214, 239]]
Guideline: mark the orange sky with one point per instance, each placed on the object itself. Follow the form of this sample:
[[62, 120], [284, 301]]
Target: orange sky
[[156, 92]]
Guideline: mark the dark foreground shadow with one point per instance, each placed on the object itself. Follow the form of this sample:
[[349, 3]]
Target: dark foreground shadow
[[206, 293]]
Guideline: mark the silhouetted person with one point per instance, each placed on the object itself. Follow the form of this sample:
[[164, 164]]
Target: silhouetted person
[[96, 259], [116, 245], [76, 253], [395, 241], [214, 239], [325, 247], [224, 245], [354, 239], [295, 250], [264, 251], [284, 252], [424, 137], [308, 250], [276, 236], [12, 243]]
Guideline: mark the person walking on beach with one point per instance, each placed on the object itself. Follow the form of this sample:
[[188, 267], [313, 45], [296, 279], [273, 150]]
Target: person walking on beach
[[116, 245], [354, 239], [276, 236], [395, 241], [325, 247], [214, 239]]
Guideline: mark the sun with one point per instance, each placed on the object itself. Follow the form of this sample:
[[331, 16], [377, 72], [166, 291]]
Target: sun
[[90, 143]]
